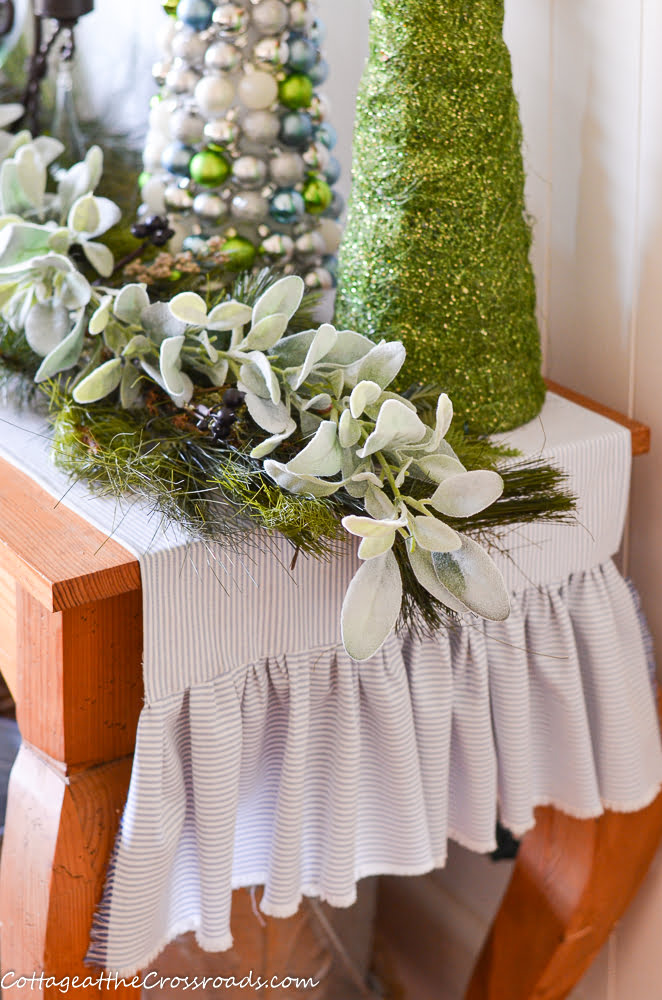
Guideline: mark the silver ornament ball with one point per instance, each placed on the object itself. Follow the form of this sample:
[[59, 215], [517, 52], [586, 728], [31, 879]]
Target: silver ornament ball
[[249, 171], [222, 132], [287, 169], [310, 245], [181, 79], [278, 247], [249, 206], [222, 57], [177, 199], [231, 19], [270, 17], [209, 207], [261, 127], [189, 46], [272, 52], [186, 126], [319, 280]]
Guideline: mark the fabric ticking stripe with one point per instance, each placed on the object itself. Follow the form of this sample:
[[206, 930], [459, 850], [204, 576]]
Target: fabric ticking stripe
[[266, 756]]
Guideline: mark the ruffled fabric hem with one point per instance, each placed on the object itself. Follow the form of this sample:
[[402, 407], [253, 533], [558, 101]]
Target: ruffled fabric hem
[[306, 772]]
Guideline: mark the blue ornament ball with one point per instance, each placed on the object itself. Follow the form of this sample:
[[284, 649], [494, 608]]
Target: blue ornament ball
[[197, 14], [330, 262], [296, 129], [319, 72], [287, 206], [303, 54], [326, 134], [176, 158], [336, 208], [332, 171], [318, 31]]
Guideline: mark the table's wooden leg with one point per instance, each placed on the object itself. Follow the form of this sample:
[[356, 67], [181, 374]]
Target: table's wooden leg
[[79, 694], [572, 881]]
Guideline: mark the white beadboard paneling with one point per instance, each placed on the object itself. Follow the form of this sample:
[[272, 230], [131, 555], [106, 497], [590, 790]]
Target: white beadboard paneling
[[529, 34], [595, 183], [645, 522]]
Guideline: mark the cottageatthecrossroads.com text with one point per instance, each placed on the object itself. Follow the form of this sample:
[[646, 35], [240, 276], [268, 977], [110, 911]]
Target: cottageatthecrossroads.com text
[[152, 981]]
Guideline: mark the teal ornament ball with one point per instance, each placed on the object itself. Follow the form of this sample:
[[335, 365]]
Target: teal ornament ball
[[303, 54], [209, 168], [239, 253], [296, 91], [296, 129], [176, 159], [287, 207], [327, 135], [196, 14], [317, 196]]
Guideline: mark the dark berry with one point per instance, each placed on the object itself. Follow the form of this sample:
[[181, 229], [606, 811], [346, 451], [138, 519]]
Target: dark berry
[[140, 231], [233, 398]]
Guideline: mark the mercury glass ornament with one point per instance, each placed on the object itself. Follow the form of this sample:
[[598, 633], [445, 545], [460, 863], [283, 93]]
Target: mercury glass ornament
[[271, 52], [319, 280], [160, 71], [319, 72], [210, 208], [197, 14], [258, 90], [327, 135], [222, 57], [231, 19], [278, 247], [332, 171], [222, 132], [176, 159], [249, 206], [317, 195], [214, 95], [209, 168], [296, 91], [301, 18], [331, 233], [189, 46], [249, 171], [239, 253], [177, 199], [262, 127], [337, 206], [181, 79], [310, 245], [186, 126], [287, 206], [287, 169], [296, 129], [270, 17], [316, 156], [303, 54]]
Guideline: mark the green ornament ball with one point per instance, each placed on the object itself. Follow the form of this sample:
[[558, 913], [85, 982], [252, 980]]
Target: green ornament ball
[[296, 91], [317, 195], [143, 178], [209, 168], [170, 7], [239, 253]]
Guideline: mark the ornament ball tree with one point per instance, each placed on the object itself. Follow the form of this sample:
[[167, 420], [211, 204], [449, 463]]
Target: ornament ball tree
[[239, 146], [436, 251]]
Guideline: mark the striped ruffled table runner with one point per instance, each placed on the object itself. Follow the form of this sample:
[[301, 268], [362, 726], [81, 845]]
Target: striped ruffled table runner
[[265, 756]]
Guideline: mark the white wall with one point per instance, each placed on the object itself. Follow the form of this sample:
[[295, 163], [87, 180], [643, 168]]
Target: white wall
[[589, 79]]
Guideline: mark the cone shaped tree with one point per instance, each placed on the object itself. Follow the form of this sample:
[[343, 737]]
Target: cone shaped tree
[[436, 251]]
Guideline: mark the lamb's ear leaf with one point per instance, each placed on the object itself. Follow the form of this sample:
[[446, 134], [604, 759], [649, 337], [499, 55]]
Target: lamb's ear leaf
[[283, 296], [99, 383], [372, 606], [472, 576]]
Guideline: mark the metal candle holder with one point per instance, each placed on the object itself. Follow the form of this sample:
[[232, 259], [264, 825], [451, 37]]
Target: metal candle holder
[[64, 14]]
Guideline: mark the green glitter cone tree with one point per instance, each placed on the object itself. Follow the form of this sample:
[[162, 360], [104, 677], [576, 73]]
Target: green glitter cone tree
[[436, 251]]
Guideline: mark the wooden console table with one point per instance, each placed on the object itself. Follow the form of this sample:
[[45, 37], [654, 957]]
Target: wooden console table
[[70, 650]]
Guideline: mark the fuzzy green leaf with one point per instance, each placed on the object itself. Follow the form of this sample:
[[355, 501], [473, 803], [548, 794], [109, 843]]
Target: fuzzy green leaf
[[372, 606], [99, 383]]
